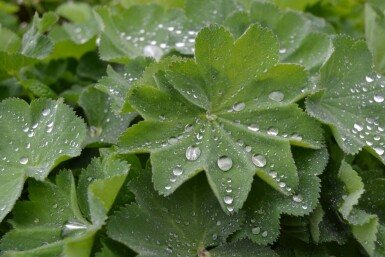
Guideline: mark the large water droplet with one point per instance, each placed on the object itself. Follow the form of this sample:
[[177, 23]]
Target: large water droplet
[[259, 160], [172, 140], [297, 198], [379, 98], [193, 153], [368, 79], [239, 106], [276, 96], [73, 227], [253, 127], [256, 230], [358, 127], [228, 199], [272, 131], [225, 163], [46, 111], [23, 160], [177, 171], [188, 128], [379, 150]]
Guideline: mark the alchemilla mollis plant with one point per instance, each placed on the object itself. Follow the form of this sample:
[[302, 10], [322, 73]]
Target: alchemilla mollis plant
[[192, 128]]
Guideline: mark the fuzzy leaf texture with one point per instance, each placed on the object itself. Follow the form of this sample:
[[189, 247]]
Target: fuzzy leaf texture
[[230, 112], [36, 138], [351, 99]]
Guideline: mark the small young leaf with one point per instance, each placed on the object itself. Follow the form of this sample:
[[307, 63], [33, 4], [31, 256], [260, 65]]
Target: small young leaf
[[172, 226], [36, 138], [351, 101], [38, 88], [230, 113]]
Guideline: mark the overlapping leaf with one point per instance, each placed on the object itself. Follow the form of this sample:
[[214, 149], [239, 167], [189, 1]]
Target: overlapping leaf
[[104, 125], [352, 101], [301, 37], [184, 224], [265, 206], [230, 113], [51, 222], [35, 139]]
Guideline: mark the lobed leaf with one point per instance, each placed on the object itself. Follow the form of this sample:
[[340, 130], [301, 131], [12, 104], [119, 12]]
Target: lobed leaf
[[230, 113], [351, 101], [36, 138]]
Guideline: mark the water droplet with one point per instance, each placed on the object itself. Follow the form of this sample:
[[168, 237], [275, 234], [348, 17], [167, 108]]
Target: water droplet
[[172, 140], [188, 128], [276, 96], [35, 125], [46, 111], [296, 137], [264, 234], [379, 150], [358, 127], [177, 171], [273, 174], [167, 187], [240, 142], [256, 230], [199, 136], [282, 184], [23, 160], [259, 160], [73, 227], [225, 163], [253, 127], [239, 106], [228, 199], [282, 50], [369, 79], [248, 148], [193, 153], [378, 98], [230, 208], [153, 51], [272, 131], [297, 198]]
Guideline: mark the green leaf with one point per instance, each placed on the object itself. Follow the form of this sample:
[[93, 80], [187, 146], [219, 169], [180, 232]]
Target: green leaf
[[301, 37], [76, 12], [220, 114], [265, 206], [364, 226], [175, 225], [104, 125], [294, 4], [38, 88], [36, 138], [375, 35], [62, 228], [9, 41], [116, 84], [34, 43], [13, 62], [351, 99]]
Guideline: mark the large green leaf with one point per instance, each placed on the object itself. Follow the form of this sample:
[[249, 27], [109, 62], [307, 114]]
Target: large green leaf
[[35, 139], [183, 224], [51, 222], [265, 206], [301, 37], [230, 113], [351, 99], [104, 125]]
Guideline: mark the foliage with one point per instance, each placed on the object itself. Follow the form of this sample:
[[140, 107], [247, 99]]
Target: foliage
[[192, 128]]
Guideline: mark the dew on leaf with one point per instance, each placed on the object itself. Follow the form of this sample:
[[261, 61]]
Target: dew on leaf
[[199, 136], [296, 137], [379, 150], [188, 128], [239, 106], [273, 174], [240, 142], [264, 234], [255, 230], [177, 171], [248, 148], [358, 127], [228, 199], [46, 112], [378, 98], [153, 51], [297, 198], [276, 96], [368, 79], [225, 163], [23, 160], [282, 184], [259, 160], [193, 153], [253, 127], [72, 227], [167, 187], [272, 131], [230, 208], [172, 140]]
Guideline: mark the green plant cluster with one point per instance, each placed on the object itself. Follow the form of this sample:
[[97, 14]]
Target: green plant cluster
[[223, 128]]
